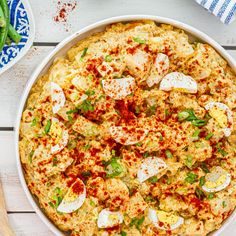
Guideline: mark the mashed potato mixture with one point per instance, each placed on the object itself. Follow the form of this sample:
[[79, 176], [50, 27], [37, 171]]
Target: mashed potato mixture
[[132, 133]]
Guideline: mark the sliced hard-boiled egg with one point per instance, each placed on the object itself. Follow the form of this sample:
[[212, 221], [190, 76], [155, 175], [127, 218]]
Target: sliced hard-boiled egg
[[150, 167], [128, 135], [165, 220], [222, 114], [58, 97], [108, 219], [217, 180], [178, 81], [74, 197], [162, 64], [60, 136], [118, 88]]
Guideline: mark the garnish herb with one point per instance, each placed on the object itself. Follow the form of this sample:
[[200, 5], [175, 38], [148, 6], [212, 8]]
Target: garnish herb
[[54, 161], [189, 161], [90, 92], [87, 146], [191, 178], [123, 233], [138, 40], [199, 123], [57, 198], [168, 154], [210, 196], [209, 136], [86, 173], [138, 144], [72, 111], [108, 58], [204, 168], [149, 199], [114, 168], [145, 154], [72, 144], [34, 122], [224, 204], [47, 127], [199, 193], [31, 156], [161, 138], [202, 181], [83, 53], [92, 203], [196, 133], [167, 113], [153, 179], [222, 152], [183, 115], [151, 110], [137, 222], [86, 106]]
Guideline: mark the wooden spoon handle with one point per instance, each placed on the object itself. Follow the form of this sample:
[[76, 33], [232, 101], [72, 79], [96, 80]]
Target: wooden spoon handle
[[5, 229]]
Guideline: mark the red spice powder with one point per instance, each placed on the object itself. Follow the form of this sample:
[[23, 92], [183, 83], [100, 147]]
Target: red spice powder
[[63, 10], [78, 187]]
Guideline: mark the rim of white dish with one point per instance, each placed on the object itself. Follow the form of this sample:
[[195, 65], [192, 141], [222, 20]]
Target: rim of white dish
[[29, 42], [191, 30]]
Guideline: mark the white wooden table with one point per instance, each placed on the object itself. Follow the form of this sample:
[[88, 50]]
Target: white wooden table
[[23, 219]]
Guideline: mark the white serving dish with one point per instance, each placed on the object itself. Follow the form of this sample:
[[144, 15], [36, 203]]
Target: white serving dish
[[62, 48]]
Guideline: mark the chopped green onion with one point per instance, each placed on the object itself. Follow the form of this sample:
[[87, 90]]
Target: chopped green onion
[[153, 179], [123, 233], [145, 154], [92, 203], [86, 106], [108, 58], [54, 161], [224, 204], [208, 137], [199, 193], [211, 196], [90, 92], [204, 168], [196, 133], [183, 115], [149, 199], [202, 181], [137, 222], [87, 147], [72, 111], [51, 204], [222, 152], [31, 156], [72, 144], [47, 127], [168, 154], [138, 144], [83, 53], [199, 123], [189, 161], [191, 178], [138, 40], [161, 138], [34, 122], [86, 173], [114, 168], [167, 113]]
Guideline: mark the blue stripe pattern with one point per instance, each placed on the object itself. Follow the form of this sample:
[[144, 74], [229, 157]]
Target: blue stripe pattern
[[224, 9]]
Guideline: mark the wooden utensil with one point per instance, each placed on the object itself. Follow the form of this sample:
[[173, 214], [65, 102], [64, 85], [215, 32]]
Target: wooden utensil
[[5, 229]]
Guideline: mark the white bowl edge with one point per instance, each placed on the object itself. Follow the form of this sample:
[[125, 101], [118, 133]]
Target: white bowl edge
[[191, 30]]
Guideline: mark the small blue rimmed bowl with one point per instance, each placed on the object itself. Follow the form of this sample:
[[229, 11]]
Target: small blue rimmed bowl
[[21, 17]]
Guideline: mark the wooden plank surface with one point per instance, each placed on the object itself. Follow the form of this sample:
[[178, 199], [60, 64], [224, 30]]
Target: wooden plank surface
[[90, 11], [13, 81]]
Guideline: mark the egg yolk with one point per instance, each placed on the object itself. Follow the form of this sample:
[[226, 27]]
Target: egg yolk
[[219, 115], [213, 184], [55, 132], [167, 218], [70, 196], [113, 218], [183, 90]]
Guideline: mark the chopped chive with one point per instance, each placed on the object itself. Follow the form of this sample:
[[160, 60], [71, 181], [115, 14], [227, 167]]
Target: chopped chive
[[123, 233], [183, 115], [153, 179], [54, 161], [202, 181], [209, 136], [189, 161], [83, 53], [138, 144], [138, 40], [204, 168], [31, 156], [196, 133], [51, 204], [146, 154], [92, 203], [47, 127], [168, 154], [199, 193], [34, 122], [210, 196], [87, 147], [224, 204], [199, 123], [191, 177], [90, 92], [161, 138], [222, 152], [108, 58]]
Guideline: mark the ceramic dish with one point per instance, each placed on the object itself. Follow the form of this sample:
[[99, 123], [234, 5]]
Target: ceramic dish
[[63, 47], [21, 17]]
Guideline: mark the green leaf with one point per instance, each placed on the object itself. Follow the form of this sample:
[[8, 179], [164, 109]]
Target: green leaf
[[86, 173], [90, 92], [138, 144], [54, 161], [114, 168], [209, 136], [222, 152], [137, 222], [199, 123], [31, 156], [224, 204], [138, 40], [145, 154], [202, 181], [92, 203], [191, 178], [47, 127], [204, 168], [189, 161], [87, 147], [191, 115], [168, 154], [153, 179], [196, 133], [51, 204], [72, 111], [108, 58]]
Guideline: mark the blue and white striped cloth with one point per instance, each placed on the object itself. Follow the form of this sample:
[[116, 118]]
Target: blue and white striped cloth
[[223, 9]]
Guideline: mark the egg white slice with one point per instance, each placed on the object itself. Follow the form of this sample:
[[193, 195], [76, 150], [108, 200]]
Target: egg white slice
[[74, 198], [128, 135], [118, 88], [107, 218], [150, 167], [164, 220], [178, 81], [162, 64], [217, 180], [59, 135], [58, 97], [222, 114]]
